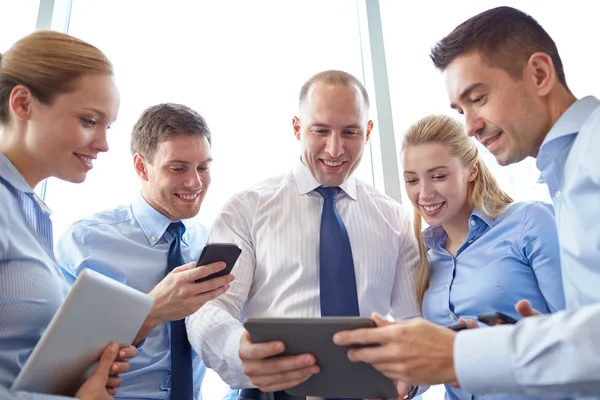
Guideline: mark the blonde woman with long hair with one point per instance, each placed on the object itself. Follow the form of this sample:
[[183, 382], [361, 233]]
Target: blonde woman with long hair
[[481, 251]]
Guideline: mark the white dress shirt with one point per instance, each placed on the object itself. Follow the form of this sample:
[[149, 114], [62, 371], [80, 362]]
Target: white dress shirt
[[277, 226], [553, 356]]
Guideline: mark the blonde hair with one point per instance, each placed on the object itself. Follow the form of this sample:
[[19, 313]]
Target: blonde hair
[[47, 63], [484, 193]]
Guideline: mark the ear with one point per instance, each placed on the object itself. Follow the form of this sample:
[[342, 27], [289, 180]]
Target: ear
[[473, 171], [139, 163], [369, 129], [297, 127], [542, 72], [21, 102]]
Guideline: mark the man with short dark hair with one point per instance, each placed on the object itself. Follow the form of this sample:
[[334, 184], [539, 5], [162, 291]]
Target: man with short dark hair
[[504, 74], [152, 245]]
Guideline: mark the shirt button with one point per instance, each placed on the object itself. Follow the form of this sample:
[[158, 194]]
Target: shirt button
[[447, 285], [557, 194], [154, 238], [451, 316], [470, 241], [472, 222], [165, 383]]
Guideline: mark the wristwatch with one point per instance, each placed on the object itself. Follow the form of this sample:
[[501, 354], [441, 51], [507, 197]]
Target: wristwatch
[[412, 392]]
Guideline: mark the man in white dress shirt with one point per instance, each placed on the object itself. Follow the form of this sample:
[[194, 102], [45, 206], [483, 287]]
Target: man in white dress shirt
[[277, 224]]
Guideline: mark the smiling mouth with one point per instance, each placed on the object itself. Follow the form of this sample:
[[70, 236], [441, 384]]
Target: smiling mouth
[[87, 160], [487, 142], [433, 207], [332, 163], [188, 197]]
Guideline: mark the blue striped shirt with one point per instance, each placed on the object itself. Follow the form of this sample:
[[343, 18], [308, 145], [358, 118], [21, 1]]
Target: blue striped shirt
[[554, 356], [130, 244], [32, 287], [503, 260]]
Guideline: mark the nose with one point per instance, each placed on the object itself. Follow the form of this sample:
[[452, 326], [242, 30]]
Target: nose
[[474, 124], [335, 145], [426, 191], [193, 180], [100, 143]]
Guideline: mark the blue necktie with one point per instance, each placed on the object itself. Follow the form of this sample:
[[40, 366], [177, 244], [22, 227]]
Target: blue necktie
[[338, 285], [181, 352]]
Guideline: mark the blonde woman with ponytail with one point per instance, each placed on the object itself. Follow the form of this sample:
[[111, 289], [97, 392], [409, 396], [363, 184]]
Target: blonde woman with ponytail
[[481, 251]]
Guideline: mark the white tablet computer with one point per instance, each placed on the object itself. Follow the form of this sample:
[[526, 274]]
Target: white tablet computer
[[97, 310], [338, 376]]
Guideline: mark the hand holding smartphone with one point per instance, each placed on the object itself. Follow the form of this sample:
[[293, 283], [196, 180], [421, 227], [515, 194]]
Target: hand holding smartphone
[[215, 252]]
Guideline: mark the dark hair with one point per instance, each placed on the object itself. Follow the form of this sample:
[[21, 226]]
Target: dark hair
[[161, 122], [334, 77], [504, 36], [47, 63]]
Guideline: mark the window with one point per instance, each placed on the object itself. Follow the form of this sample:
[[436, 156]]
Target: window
[[236, 71], [240, 64], [17, 19]]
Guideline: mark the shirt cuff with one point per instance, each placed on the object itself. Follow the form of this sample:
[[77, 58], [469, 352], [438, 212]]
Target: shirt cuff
[[483, 361], [141, 344], [234, 362]]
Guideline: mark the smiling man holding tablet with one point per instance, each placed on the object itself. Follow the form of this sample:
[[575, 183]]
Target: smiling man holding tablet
[[315, 242]]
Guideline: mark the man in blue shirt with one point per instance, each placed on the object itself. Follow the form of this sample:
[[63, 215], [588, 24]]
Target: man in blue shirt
[[504, 74], [171, 147]]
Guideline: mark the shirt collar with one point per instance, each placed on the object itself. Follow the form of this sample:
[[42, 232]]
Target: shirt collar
[[10, 173], [13, 177], [479, 216], [306, 183], [153, 222], [434, 237], [572, 119], [569, 123]]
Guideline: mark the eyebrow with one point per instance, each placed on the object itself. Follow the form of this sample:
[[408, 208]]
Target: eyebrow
[[95, 110], [187, 162], [465, 93], [429, 170], [322, 125]]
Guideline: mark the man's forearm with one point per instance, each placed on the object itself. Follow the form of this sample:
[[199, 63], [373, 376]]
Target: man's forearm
[[149, 324], [553, 356], [215, 335]]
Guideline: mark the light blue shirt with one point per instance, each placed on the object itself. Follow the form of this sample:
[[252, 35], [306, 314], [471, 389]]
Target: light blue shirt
[[32, 287], [554, 356], [130, 244], [503, 260]]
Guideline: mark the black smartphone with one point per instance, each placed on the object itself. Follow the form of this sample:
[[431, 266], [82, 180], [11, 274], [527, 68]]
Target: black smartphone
[[458, 327], [496, 318], [214, 252]]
